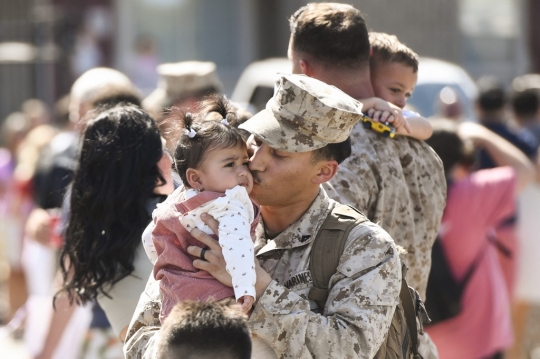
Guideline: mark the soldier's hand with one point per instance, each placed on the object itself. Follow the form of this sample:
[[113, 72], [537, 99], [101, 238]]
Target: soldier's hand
[[213, 261], [215, 264]]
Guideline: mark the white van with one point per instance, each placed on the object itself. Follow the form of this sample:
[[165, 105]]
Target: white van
[[256, 85]]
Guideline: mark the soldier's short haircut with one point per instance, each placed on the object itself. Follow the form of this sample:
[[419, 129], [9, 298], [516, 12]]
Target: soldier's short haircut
[[333, 151], [332, 34], [205, 330], [387, 49]]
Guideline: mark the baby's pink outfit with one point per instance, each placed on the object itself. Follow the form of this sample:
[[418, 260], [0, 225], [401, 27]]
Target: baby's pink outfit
[[179, 279]]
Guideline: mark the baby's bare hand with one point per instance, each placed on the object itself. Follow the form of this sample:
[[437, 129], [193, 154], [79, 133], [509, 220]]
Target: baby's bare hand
[[246, 303]]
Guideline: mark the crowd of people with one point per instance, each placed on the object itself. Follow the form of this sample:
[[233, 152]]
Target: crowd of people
[[181, 225]]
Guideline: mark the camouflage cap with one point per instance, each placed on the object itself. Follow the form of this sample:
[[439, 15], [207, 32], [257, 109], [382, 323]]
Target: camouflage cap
[[304, 114], [179, 80]]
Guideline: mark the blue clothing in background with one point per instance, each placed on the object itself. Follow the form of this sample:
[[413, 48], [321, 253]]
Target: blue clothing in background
[[522, 139]]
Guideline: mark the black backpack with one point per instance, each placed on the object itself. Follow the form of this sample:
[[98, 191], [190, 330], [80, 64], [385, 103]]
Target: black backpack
[[401, 341]]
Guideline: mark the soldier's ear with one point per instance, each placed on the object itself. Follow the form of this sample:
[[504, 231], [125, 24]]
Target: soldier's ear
[[326, 170], [306, 68]]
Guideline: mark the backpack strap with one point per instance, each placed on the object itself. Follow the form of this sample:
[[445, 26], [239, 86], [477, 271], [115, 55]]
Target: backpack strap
[[410, 310], [326, 251], [327, 248]]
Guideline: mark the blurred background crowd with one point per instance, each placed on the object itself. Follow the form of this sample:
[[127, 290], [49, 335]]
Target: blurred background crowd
[[479, 61]]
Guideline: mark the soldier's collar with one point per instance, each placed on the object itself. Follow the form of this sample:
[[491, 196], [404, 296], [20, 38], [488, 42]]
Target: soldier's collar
[[303, 231], [269, 235]]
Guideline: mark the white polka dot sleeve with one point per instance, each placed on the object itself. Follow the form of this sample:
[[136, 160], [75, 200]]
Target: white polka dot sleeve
[[237, 246], [235, 217], [234, 212]]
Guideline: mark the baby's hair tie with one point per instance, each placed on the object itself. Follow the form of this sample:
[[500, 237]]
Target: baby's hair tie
[[190, 132], [225, 122]]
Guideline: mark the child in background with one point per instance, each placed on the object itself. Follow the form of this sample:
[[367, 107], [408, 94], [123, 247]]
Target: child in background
[[211, 159], [394, 72], [196, 330]]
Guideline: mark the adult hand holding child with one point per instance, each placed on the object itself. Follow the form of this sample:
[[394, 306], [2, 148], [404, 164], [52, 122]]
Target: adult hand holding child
[[215, 264]]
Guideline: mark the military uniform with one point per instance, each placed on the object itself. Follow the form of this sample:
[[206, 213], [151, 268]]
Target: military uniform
[[399, 184], [179, 80], [362, 300], [306, 114]]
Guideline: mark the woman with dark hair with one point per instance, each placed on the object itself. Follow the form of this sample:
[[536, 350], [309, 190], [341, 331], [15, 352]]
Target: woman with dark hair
[[122, 174]]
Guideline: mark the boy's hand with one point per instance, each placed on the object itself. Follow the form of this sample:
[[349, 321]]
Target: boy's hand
[[383, 111], [400, 122], [386, 117]]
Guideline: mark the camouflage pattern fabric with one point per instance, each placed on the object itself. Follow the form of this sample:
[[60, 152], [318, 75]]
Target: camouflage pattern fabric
[[304, 114], [358, 313], [362, 299], [399, 184], [143, 331]]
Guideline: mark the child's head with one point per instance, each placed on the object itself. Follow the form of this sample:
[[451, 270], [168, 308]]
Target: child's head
[[205, 330], [394, 68], [211, 153]]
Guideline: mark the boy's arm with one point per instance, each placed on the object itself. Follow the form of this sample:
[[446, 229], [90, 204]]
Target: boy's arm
[[420, 126], [406, 123]]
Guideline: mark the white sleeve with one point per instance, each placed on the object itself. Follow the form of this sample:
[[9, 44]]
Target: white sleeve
[[235, 240]]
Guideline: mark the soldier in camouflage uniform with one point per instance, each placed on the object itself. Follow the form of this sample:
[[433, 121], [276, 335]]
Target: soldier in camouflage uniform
[[298, 141], [398, 183]]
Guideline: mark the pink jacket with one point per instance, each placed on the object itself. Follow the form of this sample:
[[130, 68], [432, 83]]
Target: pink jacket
[[474, 206], [179, 279]]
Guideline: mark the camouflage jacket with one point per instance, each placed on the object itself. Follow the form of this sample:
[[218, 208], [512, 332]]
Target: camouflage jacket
[[363, 296], [399, 184]]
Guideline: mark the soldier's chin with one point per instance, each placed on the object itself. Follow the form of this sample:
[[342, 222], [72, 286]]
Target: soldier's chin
[[253, 194]]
